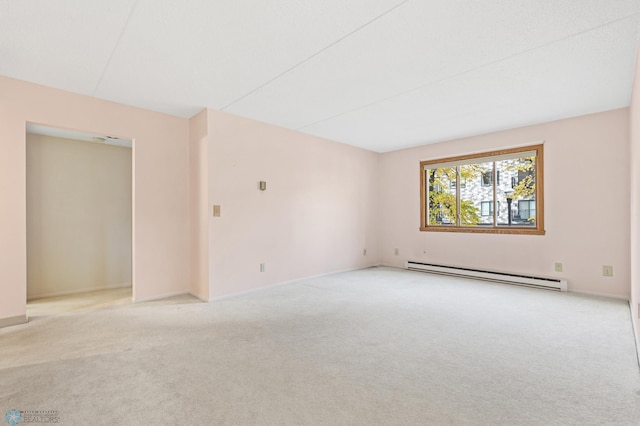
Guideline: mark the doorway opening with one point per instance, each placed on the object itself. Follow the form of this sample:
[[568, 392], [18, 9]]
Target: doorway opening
[[79, 220]]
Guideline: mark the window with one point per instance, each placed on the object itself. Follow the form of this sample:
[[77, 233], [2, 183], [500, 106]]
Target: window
[[511, 205], [526, 210], [486, 208], [452, 184], [486, 178]]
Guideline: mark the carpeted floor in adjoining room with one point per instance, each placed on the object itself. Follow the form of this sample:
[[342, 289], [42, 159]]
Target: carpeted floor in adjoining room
[[375, 346]]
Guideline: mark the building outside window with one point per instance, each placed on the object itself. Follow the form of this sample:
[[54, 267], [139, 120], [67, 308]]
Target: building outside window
[[502, 192]]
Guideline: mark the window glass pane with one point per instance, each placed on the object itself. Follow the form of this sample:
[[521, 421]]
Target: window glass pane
[[518, 206], [463, 183], [484, 192], [441, 202], [476, 198], [526, 210], [486, 208], [486, 178]]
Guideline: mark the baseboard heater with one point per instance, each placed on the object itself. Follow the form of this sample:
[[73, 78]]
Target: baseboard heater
[[501, 277]]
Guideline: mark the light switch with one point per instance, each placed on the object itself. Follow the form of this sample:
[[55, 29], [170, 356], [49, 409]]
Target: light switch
[[216, 211]]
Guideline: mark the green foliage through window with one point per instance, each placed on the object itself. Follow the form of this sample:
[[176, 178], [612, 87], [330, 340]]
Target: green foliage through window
[[499, 190]]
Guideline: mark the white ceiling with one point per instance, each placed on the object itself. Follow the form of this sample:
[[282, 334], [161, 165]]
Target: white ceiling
[[379, 74]]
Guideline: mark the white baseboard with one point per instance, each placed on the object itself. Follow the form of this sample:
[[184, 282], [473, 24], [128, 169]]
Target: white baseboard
[[242, 293], [162, 296], [7, 322], [569, 290], [401, 268], [595, 293], [635, 333], [166, 296], [202, 299], [78, 291], [226, 296]]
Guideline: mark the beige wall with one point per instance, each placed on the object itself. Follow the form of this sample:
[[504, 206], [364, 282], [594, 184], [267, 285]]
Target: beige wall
[[586, 193], [198, 208], [160, 185], [635, 203], [78, 216], [319, 212], [325, 201]]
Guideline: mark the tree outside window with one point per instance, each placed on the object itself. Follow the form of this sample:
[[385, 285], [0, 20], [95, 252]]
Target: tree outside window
[[502, 192]]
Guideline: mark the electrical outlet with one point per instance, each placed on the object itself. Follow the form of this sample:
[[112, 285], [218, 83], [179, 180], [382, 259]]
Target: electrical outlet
[[263, 268], [558, 267], [396, 251], [364, 252], [607, 270]]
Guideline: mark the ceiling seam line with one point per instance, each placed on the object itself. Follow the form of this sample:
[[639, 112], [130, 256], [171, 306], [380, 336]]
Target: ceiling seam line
[[115, 47], [497, 61], [366, 24]]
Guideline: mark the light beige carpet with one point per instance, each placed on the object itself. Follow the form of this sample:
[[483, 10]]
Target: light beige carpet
[[79, 302], [376, 346]]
